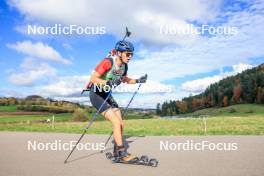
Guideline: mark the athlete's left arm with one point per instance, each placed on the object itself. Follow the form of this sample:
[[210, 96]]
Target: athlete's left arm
[[129, 80]]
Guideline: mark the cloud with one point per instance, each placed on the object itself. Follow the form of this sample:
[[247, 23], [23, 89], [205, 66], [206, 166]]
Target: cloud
[[208, 53], [9, 92], [139, 101], [72, 85], [179, 55], [144, 21], [67, 46], [148, 100], [150, 87], [66, 86], [39, 50], [69, 88], [199, 85], [196, 54], [241, 67], [31, 71]]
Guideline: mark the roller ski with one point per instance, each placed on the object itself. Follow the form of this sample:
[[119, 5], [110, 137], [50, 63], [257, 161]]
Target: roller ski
[[121, 156]]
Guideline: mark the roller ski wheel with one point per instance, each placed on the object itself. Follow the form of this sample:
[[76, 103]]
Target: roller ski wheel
[[153, 163], [143, 160], [109, 155]]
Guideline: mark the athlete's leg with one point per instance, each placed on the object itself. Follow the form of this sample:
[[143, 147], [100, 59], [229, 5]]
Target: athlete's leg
[[110, 115], [119, 115], [114, 115]]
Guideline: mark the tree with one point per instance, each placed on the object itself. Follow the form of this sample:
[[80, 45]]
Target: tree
[[79, 115], [248, 90], [225, 101], [236, 94], [158, 110], [260, 95], [245, 87], [182, 106]]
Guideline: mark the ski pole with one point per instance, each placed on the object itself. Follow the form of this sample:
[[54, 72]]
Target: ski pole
[[125, 111], [87, 127], [128, 33]]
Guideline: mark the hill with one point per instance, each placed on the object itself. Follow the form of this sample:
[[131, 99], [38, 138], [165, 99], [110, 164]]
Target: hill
[[37, 103], [245, 87], [238, 110]]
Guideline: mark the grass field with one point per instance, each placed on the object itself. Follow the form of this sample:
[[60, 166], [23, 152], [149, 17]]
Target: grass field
[[58, 117], [214, 126], [10, 108], [233, 120], [241, 110], [34, 118]]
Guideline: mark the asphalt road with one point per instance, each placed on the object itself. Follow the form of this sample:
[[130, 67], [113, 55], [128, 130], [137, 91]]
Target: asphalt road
[[240, 155]]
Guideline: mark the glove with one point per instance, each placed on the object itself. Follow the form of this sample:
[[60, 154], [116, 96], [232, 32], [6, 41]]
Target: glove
[[142, 79], [114, 83]]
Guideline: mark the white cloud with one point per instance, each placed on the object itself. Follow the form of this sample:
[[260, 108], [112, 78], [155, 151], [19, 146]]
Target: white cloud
[[144, 21], [39, 50], [149, 100], [82, 100], [199, 85], [195, 54], [67, 46], [204, 54], [63, 86], [8, 92], [149, 87], [139, 101], [31, 71], [207, 53], [71, 85], [241, 67], [69, 88]]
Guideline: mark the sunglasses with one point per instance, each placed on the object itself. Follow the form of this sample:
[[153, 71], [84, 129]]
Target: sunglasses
[[129, 54]]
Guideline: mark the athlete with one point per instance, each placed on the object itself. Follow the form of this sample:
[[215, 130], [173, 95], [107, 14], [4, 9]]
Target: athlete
[[111, 72]]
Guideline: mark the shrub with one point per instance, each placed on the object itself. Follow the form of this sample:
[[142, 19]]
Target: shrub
[[79, 115], [232, 110], [250, 111]]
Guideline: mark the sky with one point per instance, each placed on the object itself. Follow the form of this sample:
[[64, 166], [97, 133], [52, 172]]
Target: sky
[[170, 46]]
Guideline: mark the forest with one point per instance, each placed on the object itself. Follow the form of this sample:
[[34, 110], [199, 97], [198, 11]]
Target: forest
[[245, 87]]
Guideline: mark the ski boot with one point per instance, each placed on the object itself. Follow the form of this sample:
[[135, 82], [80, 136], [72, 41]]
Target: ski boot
[[120, 155], [115, 152], [124, 156]]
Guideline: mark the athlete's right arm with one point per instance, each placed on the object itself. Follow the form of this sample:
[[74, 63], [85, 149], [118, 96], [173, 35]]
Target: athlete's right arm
[[95, 78], [103, 67]]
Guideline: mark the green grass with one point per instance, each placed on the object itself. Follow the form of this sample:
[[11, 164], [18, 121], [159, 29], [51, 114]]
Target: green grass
[[194, 126], [58, 117], [32, 118], [240, 110], [244, 119], [9, 108]]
